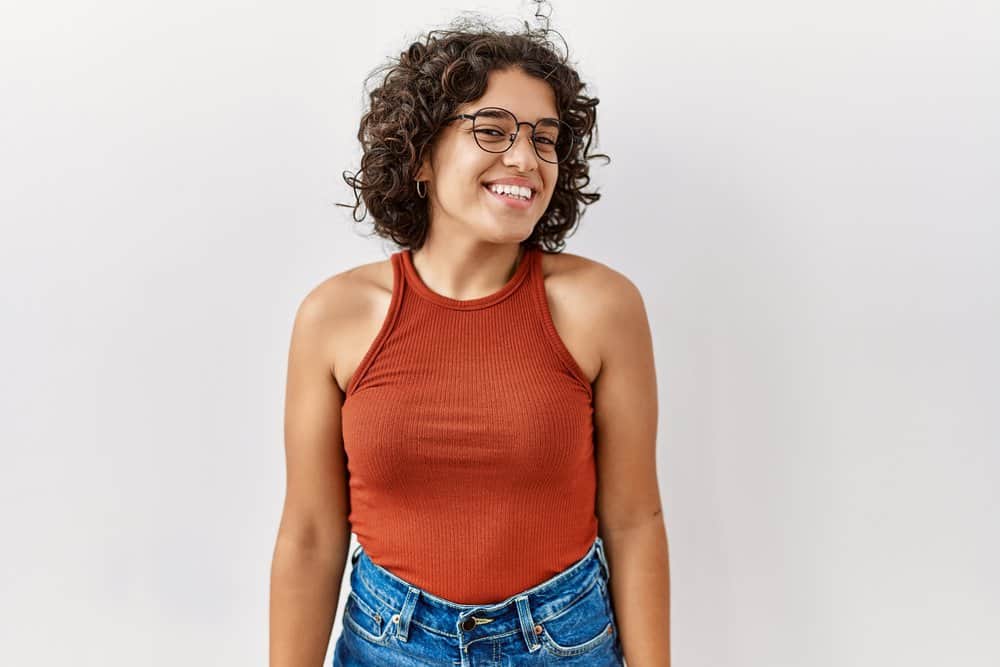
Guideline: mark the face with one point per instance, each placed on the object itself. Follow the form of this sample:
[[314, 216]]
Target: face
[[456, 168]]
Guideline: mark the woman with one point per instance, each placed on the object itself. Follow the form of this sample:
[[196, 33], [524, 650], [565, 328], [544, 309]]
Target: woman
[[480, 411]]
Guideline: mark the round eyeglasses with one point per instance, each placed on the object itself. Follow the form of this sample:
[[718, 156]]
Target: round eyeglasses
[[495, 130]]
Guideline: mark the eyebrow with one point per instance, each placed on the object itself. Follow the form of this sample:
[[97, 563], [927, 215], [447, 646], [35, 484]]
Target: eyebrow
[[497, 114]]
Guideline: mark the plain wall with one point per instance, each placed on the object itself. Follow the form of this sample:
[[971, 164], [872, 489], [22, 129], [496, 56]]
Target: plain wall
[[805, 193]]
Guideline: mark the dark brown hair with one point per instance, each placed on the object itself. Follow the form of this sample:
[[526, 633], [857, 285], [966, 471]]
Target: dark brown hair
[[425, 85]]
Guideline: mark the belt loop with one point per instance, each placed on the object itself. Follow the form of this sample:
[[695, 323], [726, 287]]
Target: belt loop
[[406, 613], [604, 560], [354, 555], [527, 623]]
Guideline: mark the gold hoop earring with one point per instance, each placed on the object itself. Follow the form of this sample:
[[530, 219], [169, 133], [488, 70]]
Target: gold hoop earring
[[423, 194]]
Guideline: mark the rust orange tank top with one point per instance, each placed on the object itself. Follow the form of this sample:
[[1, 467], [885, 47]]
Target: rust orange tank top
[[468, 428]]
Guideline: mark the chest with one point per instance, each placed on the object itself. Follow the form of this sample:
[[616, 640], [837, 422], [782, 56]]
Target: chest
[[574, 331]]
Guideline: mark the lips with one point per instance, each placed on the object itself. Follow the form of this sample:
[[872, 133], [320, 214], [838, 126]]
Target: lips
[[510, 201]]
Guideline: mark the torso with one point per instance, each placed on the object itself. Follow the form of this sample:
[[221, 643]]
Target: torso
[[360, 298]]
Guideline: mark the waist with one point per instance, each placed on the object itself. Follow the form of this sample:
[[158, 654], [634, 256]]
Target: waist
[[399, 603]]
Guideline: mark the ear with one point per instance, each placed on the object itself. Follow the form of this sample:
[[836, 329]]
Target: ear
[[425, 172]]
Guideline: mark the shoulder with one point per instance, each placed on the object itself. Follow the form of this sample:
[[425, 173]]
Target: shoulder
[[339, 307], [588, 280], [598, 296], [347, 292]]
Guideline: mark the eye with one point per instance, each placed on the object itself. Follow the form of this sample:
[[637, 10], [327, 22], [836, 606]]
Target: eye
[[496, 133]]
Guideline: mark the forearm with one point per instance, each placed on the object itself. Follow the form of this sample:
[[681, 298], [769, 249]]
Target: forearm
[[305, 590], [640, 591]]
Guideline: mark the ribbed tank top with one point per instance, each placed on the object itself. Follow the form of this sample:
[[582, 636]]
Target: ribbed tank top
[[468, 429]]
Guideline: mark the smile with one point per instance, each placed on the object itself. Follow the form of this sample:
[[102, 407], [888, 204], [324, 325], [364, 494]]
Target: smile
[[510, 200]]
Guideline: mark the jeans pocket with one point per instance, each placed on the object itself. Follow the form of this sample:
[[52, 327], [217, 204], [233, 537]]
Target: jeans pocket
[[581, 626], [373, 622]]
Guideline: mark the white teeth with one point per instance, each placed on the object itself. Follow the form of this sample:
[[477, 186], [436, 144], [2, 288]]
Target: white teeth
[[511, 190]]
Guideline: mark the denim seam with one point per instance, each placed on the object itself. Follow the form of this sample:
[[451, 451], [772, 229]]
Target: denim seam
[[365, 609], [514, 632], [435, 631], [562, 611], [379, 639], [375, 594], [568, 606], [559, 650]]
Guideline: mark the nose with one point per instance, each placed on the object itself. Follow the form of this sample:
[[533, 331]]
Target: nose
[[522, 153]]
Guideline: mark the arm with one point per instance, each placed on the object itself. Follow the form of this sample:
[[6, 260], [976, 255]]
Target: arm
[[628, 502], [314, 535]]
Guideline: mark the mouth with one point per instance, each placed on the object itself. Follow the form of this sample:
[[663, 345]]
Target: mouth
[[511, 200]]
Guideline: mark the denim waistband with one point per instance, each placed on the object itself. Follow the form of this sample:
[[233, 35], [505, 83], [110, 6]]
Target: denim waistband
[[519, 612]]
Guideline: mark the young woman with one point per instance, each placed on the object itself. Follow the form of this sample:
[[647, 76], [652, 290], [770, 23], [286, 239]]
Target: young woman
[[479, 410]]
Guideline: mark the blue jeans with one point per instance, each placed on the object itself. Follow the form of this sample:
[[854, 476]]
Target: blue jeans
[[566, 620]]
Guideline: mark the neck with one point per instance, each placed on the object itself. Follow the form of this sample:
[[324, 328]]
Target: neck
[[461, 273]]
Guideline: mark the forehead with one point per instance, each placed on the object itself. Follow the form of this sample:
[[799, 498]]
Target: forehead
[[527, 97]]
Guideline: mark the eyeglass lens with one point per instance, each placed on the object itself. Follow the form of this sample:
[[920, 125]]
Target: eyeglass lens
[[493, 127]]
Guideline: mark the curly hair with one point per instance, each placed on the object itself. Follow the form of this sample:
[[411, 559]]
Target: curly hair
[[424, 86]]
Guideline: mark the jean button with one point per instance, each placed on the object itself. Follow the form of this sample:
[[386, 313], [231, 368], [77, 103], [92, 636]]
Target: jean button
[[468, 624]]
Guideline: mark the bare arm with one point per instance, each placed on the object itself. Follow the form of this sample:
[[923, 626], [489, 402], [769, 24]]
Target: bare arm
[[629, 506], [310, 553]]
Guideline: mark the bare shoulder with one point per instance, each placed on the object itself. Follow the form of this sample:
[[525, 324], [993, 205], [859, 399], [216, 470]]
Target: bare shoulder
[[588, 281], [349, 307], [584, 270], [594, 298], [341, 290]]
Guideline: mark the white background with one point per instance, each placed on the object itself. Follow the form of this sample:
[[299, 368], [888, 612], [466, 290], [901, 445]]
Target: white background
[[805, 193]]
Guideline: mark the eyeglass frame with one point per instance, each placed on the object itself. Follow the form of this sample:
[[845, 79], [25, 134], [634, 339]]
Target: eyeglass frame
[[513, 137]]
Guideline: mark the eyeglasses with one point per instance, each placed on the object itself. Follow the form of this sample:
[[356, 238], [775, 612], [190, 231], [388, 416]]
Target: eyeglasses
[[496, 129]]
